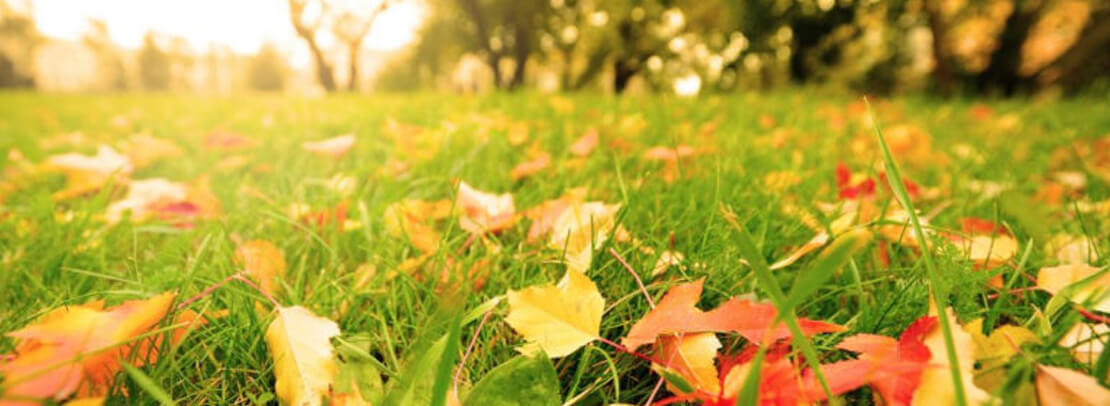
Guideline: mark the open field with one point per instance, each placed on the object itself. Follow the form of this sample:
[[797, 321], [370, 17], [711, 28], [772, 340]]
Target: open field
[[1036, 173]]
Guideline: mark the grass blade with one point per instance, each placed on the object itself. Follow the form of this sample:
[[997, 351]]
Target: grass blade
[[940, 292], [148, 385], [778, 298]]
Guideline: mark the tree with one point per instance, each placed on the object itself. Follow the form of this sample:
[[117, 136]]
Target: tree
[[154, 65], [351, 29], [504, 29], [15, 59], [108, 59], [306, 22], [266, 70]]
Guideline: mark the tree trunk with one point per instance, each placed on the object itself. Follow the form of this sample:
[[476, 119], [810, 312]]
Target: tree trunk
[[323, 69], [352, 67], [943, 76], [1085, 60], [521, 50], [622, 74], [1002, 72]]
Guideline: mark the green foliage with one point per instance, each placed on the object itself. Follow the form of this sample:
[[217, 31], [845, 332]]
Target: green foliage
[[519, 381]]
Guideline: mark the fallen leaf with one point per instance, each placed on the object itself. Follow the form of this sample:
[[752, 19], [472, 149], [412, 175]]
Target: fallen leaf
[[676, 313], [557, 319], [586, 144], [86, 174], [334, 147], [144, 150], [415, 218], [995, 351], [813, 244], [1055, 279], [693, 357], [145, 197], [78, 349], [520, 381], [544, 216], [484, 212], [894, 366], [579, 229], [264, 262], [666, 260], [226, 140], [1086, 341], [300, 345], [1064, 387], [537, 161], [936, 386]]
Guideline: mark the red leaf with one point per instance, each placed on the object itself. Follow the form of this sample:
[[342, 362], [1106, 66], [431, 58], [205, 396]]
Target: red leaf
[[677, 313], [893, 367]]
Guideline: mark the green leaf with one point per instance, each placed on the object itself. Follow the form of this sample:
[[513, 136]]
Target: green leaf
[[677, 380], [414, 385], [520, 381], [358, 370], [148, 385], [829, 263]]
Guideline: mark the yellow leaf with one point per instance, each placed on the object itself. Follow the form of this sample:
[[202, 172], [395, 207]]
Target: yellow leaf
[[813, 244], [995, 351], [1055, 278], [691, 356], [264, 262], [666, 260], [1065, 387], [86, 402], [300, 345], [85, 174], [557, 319], [580, 228], [986, 251], [936, 388]]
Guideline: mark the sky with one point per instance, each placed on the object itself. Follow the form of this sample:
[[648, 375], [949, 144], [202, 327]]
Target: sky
[[242, 25]]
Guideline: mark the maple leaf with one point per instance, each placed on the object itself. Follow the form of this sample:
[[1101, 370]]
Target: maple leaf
[[585, 145], [894, 367], [414, 218], [580, 228], [677, 313], [1064, 387], [691, 356], [544, 216], [264, 262], [557, 319], [334, 147], [86, 174], [78, 349], [300, 346], [537, 161], [484, 212]]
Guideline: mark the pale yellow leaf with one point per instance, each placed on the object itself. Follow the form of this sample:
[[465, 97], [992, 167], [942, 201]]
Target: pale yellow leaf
[[936, 388], [1065, 387], [1055, 279], [558, 319], [580, 228], [813, 244], [264, 262], [484, 212], [332, 147], [1087, 341], [691, 356], [300, 345]]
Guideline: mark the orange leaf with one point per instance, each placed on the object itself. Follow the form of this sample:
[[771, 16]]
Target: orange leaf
[[264, 262], [893, 367], [585, 145], [484, 212], [677, 313], [537, 162]]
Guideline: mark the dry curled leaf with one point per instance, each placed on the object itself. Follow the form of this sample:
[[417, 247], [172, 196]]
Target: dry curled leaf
[[558, 319], [1055, 279]]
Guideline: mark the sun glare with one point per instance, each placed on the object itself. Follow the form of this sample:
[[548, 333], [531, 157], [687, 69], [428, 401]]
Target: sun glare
[[242, 25]]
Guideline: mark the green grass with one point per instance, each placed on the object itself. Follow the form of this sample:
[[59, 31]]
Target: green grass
[[48, 260]]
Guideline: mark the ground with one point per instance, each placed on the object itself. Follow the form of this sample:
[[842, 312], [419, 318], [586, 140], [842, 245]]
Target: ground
[[767, 157]]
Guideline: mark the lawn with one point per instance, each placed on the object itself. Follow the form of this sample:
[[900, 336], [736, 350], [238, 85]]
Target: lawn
[[1031, 171]]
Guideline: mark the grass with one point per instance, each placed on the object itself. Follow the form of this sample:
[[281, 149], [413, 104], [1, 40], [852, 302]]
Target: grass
[[54, 254]]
